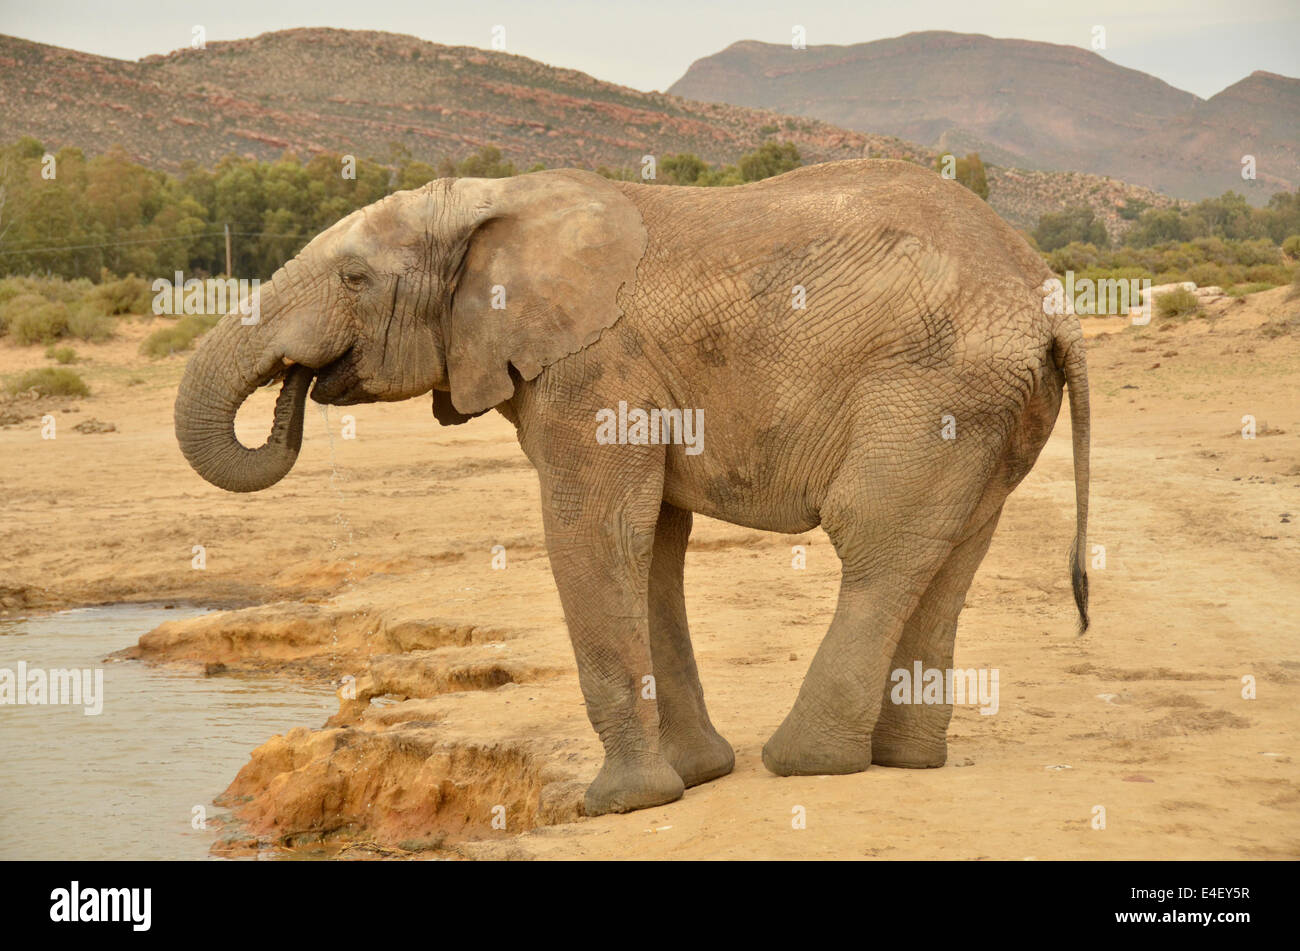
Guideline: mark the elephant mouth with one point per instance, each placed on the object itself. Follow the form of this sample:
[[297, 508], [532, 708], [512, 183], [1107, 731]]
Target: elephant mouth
[[339, 382]]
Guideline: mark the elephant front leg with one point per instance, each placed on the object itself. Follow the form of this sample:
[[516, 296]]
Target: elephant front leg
[[686, 735], [915, 735], [601, 562]]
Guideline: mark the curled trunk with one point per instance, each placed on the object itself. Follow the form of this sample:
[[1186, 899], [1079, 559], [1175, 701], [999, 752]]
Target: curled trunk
[[210, 395]]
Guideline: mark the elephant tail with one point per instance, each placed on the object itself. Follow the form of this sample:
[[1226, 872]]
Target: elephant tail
[[1068, 352]]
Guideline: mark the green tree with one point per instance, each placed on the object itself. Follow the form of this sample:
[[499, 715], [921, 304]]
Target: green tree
[[682, 169], [413, 174], [968, 171], [485, 163], [1079, 224], [771, 158], [1158, 225], [1283, 216], [1132, 208], [1228, 216]]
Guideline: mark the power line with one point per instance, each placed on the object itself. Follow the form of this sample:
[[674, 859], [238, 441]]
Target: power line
[[107, 244], [179, 237], [271, 234]]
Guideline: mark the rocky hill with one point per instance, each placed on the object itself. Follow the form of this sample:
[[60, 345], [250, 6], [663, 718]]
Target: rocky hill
[[368, 93], [314, 90], [1024, 104]]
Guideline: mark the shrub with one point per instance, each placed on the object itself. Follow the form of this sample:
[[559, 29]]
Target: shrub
[[11, 287], [180, 336], [1210, 275], [1241, 290], [51, 381], [1112, 274], [89, 324], [13, 307], [42, 323], [1207, 261], [1268, 274], [61, 354], [1213, 250], [1291, 247], [1179, 303], [1077, 257], [50, 288], [56, 288], [127, 295]]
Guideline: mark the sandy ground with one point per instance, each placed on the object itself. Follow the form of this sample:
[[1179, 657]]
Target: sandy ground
[[371, 566]]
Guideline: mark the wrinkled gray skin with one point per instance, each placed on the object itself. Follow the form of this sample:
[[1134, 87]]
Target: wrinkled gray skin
[[922, 305]]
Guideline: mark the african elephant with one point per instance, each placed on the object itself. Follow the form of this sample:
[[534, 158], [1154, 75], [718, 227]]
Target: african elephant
[[867, 342]]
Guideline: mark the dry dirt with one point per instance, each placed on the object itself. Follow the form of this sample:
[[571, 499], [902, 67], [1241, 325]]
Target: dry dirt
[[371, 566]]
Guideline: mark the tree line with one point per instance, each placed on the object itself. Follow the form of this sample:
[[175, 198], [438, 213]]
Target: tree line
[[1229, 217], [72, 216], [68, 215]]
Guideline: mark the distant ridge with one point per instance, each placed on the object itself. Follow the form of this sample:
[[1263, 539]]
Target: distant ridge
[[1026, 104]]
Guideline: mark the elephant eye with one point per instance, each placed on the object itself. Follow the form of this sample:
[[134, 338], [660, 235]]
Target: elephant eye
[[354, 280]]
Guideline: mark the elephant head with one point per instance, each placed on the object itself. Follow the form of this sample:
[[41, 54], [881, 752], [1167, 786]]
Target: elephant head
[[462, 287]]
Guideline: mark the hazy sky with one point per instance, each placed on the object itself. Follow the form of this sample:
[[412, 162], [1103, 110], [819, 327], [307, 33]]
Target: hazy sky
[[1198, 45]]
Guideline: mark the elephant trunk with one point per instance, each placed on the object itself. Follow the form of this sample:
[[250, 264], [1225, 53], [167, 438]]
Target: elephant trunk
[[210, 395]]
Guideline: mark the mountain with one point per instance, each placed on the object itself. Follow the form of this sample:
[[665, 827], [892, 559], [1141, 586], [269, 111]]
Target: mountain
[[1024, 104], [314, 90], [363, 93], [1260, 116]]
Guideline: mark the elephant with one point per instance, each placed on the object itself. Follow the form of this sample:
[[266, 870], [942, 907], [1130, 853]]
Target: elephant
[[867, 342]]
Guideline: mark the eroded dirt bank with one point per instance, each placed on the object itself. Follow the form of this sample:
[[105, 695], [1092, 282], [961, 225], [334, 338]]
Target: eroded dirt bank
[[371, 567]]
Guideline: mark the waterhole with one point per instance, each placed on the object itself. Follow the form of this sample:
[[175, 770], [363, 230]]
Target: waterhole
[[135, 779]]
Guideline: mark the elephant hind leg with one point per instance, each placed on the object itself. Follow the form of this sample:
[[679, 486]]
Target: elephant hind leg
[[687, 737], [914, 735], [829, 728], [886, 567], [894, 514]]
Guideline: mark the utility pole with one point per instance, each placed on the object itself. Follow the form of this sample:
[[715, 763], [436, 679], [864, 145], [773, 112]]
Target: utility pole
[[229, 272]]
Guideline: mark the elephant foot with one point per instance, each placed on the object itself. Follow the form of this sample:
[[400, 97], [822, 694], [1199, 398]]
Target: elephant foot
[[908, 752], [623, 785], [911, 736], [795, 750], [699, 759]]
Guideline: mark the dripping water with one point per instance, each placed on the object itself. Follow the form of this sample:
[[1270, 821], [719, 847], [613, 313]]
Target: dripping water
[[342, 523]]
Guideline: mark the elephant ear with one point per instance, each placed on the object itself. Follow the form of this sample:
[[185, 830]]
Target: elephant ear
[[445, 413], [547, 258]]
